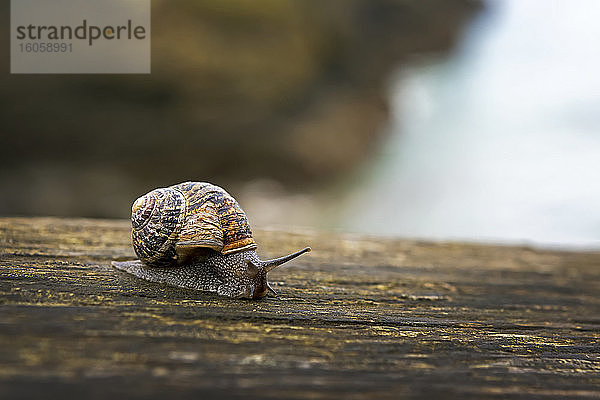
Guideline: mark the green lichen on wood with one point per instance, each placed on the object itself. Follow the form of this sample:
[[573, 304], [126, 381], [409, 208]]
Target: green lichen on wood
[[357, 318]]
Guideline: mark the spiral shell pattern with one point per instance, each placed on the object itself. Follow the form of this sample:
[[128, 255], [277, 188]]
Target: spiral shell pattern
[[156, 219], [191, 214]]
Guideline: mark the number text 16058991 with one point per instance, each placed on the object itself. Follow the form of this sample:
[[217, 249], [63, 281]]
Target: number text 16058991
[[36, 47]]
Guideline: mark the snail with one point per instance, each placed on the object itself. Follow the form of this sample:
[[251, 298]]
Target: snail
[[195, 235]]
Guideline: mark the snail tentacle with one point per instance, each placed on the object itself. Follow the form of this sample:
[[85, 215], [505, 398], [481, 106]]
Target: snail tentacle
[[270, 265]]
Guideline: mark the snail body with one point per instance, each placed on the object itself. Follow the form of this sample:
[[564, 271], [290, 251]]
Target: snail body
[[195, 235]]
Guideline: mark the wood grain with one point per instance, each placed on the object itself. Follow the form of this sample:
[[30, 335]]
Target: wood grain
[[358, 318]]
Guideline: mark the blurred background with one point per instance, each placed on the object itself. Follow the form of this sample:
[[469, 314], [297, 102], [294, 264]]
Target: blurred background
[[439, 119]]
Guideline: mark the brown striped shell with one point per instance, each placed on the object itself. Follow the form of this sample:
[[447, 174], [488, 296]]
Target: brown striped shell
[[168, 222]]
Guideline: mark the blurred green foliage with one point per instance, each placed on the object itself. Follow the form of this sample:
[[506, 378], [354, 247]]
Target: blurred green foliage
[[290, 90]]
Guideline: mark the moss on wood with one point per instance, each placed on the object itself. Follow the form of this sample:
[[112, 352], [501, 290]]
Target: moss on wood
[[357, 318]]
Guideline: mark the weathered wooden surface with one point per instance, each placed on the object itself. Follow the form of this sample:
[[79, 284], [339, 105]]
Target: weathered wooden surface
[[357, 318]]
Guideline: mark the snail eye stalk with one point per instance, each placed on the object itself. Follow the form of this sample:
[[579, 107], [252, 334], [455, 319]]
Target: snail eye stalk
[[252, 269], [269, 265]]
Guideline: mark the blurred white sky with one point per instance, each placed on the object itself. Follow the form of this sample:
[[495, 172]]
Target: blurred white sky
[[498, 142]]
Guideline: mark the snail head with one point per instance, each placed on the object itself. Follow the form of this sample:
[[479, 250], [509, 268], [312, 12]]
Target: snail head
[[251, 273]]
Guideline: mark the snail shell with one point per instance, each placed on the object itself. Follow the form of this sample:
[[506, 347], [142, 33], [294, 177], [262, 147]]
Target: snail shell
[[182, 217]]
